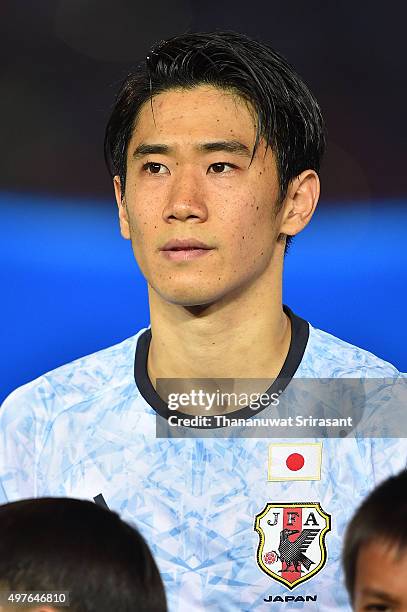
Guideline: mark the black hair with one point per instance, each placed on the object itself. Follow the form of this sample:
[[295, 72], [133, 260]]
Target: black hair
[[381, 517], [288, 116], [76, 546]]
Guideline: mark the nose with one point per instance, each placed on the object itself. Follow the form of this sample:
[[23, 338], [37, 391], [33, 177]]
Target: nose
[[186, 199]]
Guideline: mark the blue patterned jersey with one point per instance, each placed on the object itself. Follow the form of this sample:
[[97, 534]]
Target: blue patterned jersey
[[231, 525]]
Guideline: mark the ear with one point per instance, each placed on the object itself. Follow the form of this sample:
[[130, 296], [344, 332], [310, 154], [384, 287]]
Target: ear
[[300, 202], [121, 203]]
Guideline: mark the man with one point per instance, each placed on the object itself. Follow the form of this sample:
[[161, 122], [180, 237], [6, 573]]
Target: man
[[70, 554], [214, 145], [375, 551]]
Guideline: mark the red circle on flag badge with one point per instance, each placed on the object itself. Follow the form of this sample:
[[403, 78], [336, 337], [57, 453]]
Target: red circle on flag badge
[[295, 462]]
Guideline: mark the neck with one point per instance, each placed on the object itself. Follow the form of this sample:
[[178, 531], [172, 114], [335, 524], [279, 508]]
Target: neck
[[246, 335]]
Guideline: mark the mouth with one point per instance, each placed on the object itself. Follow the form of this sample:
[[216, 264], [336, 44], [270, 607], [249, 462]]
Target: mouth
[[184, 254], [184, 250], [188, 248]]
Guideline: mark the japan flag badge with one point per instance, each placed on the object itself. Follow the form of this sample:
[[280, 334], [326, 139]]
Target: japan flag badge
[[295, 461]]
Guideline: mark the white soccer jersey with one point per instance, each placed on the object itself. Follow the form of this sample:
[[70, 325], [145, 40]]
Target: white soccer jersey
[[234, 523]]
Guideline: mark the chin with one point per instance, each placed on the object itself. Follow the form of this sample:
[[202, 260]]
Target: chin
[[187, 296], [188, 300]]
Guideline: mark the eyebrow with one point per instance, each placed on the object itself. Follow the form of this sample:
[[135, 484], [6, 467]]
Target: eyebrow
[[380, 595], [228, 146]]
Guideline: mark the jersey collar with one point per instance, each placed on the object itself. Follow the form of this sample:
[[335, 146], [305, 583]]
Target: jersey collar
[[299, 339]]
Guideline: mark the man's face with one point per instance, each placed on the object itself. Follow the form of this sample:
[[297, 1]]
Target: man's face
[[381, 579], [189, 177]]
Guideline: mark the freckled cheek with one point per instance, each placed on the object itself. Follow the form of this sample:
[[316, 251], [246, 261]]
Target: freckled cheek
[[252, 227], [143, 219]]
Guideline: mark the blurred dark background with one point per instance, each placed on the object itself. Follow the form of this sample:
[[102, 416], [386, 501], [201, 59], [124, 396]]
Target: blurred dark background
[[63, 59], [61, 64]]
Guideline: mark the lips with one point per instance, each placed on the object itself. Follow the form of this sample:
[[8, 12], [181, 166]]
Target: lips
[[187, 244], [185, 250]]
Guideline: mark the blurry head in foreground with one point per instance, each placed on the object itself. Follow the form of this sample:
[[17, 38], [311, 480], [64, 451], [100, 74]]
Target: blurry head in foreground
[[375, 551], [68, 545]]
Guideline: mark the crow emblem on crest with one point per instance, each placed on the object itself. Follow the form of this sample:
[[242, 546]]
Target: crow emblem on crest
[[292, 553], [285, 559]]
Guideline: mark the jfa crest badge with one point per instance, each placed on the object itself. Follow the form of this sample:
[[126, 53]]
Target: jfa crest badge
[[292, 541]]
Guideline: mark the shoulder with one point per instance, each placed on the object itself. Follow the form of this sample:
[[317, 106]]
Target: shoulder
[[327, 356], [74, 383]]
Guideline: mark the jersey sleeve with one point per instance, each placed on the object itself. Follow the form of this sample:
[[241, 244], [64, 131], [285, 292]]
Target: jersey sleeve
[[389, 451], [23, 429], [389, 457]]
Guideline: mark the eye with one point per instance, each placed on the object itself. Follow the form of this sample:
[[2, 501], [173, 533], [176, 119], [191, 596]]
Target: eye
[[155, 168], [219, 168], [378, 607]]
